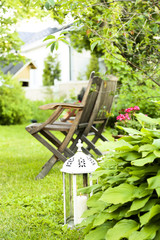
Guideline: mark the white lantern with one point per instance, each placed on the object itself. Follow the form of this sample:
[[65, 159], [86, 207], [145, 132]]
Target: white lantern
[[76, 171]]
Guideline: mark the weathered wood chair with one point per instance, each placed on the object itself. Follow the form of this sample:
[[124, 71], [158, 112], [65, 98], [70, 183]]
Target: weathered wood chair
[[100, 115], [46, 132]]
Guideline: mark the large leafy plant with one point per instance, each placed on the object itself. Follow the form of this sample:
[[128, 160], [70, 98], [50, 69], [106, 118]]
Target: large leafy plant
[[125, 203]]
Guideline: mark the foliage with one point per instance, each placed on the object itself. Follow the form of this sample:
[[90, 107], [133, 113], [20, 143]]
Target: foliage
[[11, 13], [92, 66], [125, 30], [133, 89], [29, 209], [51, 70], [127, 119], [42, 115], [14, 107], [125, 203]]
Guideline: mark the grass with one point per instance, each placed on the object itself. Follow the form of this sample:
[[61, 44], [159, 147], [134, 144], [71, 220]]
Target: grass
[[29, 209]]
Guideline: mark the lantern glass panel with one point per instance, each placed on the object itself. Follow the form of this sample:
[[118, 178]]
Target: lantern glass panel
[[69, 198], [75, 202]]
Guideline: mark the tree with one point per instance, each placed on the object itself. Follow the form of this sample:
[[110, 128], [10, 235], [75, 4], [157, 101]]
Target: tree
[[51, 70], [11, 13], [128, 31]]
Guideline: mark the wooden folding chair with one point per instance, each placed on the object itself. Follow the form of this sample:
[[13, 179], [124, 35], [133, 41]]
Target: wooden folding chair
[[100, 114], [46, 132]]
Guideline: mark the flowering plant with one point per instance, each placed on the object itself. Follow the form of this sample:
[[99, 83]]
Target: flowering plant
[[127, 118], [128, 113]]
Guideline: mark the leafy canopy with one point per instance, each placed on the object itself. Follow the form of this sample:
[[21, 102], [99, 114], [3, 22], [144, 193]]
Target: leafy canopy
[[128, 31], [10, 13]]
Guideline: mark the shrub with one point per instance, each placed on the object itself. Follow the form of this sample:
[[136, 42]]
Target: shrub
[[125, 204], [42, 115], [51, 70], [92, 66], [137, 92], [14, 107]]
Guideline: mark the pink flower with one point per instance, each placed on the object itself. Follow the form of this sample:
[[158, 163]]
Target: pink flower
[[121, 117], [136, 108], [129, 109], [127, 116]]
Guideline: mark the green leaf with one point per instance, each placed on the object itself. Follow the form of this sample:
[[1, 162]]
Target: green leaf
[[156, 143], [93, 199], [56, 45], [89, 189], [145, 218], [104, 216], [142, 161], [157, 153], [142, 191], [144, 154], [149, 205], [95, 202], [93, 45], [90, 212], [131, 156], [130, 130], [47, 6], [119, 145], [147, 232], [99, 233], [151, 133], [53, 46], [121, 194], [147, 148], [143, 118], [158, 191], [64, 40], [123, 229], [51, 2], [87, 221], [49, 44], [49, 37], [138, 203], [154, 182], [157, 235]]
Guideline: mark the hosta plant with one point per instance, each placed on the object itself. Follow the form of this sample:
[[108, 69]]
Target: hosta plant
[[126, 201]]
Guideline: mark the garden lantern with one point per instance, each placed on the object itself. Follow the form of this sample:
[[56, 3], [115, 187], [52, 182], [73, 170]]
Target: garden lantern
[[76, 172]]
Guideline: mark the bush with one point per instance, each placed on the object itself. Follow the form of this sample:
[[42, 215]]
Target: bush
[[139, 92], [42, 115], [125, 204], [14, 107], [51, 70], [92, 66]]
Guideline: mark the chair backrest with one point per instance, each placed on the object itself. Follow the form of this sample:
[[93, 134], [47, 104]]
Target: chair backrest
[[103, 104], [90, 97], [106, 99]]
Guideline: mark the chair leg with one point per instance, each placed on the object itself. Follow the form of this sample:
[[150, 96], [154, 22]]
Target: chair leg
[[47, 167], [90, 145]]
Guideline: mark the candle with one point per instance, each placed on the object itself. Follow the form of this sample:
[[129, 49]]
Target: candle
[[81, 207]]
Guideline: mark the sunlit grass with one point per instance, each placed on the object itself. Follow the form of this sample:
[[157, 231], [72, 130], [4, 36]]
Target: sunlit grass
[[29, 209]]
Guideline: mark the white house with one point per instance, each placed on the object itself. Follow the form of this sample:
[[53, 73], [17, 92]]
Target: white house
[[72, 63]]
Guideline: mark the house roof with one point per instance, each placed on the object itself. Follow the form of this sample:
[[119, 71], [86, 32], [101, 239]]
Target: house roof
[[29, 37], [15, 68]]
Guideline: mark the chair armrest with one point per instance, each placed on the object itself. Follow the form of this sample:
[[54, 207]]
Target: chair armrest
[[52, 106]]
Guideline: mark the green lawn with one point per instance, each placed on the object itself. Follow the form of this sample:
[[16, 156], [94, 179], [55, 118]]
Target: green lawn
[[29, 209]]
